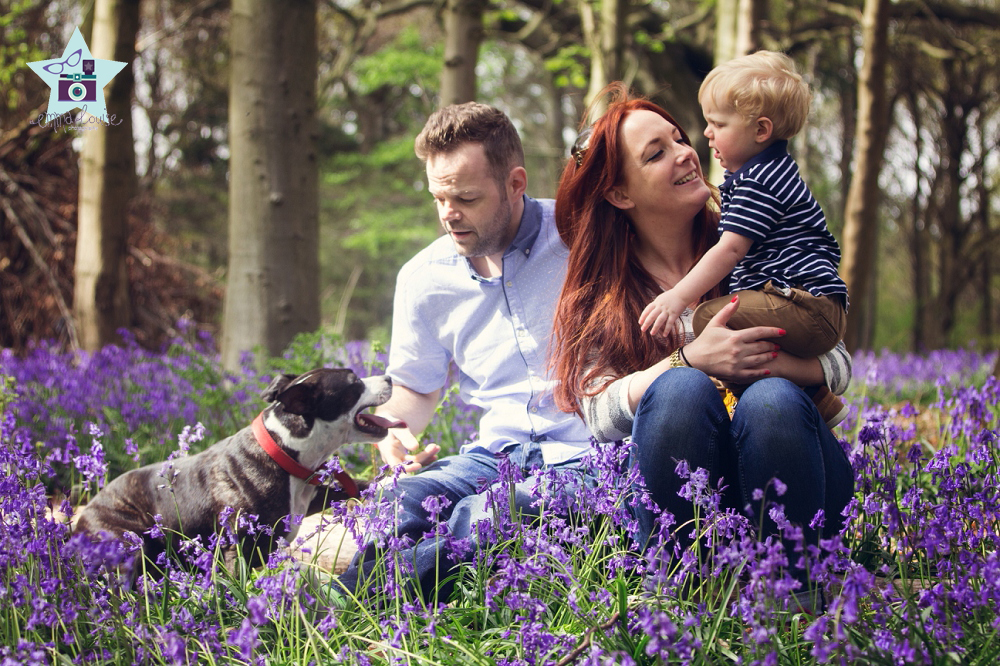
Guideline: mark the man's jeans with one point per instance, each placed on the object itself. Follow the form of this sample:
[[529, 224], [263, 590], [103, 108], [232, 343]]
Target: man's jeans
[[775, 432], [459, 478]]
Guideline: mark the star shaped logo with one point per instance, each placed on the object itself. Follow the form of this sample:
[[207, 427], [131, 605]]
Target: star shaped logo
[[77, 79]]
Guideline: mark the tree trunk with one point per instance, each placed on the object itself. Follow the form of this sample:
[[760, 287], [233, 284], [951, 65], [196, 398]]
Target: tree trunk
[[613, 16], [545, 182], [919, 241], [750, 15], [463, 29], [861, 219], [591, 38], [107, 184], [727, 15], [920, 261], [605, 38], [949, 221], [848, 115], [955, 266], [986, 329], [273, 277]]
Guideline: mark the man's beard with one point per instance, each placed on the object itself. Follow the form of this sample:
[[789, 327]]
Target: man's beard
[[493, 238]]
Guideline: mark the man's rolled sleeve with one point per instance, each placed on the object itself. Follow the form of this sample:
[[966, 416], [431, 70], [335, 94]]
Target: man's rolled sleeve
[[416, 358]]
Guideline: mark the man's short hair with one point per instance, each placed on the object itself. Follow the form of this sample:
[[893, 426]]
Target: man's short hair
[[448, 128], [762, 84]]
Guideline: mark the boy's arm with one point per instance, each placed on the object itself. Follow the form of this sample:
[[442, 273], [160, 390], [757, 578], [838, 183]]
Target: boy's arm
[[717, 263], [661, 314], [401, 445]]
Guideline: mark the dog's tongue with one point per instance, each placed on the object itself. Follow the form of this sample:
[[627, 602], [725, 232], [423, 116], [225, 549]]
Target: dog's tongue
[[375, 420]]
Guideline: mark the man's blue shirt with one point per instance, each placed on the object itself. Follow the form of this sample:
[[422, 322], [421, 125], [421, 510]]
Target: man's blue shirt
[[496, 330]]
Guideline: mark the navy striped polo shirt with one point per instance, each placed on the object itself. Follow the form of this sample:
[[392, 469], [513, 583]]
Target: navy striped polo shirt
[[767, 201]]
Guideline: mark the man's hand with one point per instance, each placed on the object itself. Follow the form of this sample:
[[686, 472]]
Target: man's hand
[[400, 447], [662, 313]]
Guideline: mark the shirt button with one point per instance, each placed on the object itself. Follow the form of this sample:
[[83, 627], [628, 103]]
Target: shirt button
[[521, 332], [509, 283], [534, 410]]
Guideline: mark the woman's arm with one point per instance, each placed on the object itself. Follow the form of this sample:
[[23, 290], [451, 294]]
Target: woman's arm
[[837, 368], [736, 356], [745, 356], [740, 356], [608, 414]]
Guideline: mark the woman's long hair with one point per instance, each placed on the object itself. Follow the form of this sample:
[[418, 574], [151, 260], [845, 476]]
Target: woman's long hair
[[596, 333]]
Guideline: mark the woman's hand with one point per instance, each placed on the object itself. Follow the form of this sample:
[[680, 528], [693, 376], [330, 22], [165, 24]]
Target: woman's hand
[[733, 356]]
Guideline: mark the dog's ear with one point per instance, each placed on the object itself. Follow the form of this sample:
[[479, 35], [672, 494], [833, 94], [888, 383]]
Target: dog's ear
[[277, 385], [298, 397]]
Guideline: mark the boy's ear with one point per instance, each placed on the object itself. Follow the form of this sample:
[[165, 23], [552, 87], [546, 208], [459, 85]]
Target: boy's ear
[[763, 128], [617, 198]]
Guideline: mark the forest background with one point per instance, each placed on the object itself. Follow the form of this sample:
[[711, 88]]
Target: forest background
[[268, 151]]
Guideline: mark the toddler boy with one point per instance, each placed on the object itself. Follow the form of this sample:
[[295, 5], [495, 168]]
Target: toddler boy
[[774, 241]]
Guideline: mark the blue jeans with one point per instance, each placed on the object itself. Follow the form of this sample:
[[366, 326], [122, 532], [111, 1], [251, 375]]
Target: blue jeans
[[775, 432], [459, 478]]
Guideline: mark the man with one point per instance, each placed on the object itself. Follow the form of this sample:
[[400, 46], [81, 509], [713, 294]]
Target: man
[[482, 296]]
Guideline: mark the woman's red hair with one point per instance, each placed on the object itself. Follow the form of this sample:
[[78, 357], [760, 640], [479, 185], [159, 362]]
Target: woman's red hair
[[596, 333]]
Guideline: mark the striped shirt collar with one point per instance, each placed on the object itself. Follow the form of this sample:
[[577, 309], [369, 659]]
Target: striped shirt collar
[[775, 151]]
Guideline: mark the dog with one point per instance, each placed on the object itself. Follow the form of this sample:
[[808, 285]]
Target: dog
[[267, 469]]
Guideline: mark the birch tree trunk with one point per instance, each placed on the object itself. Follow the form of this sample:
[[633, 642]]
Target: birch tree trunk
[[727, 13], [463, 29], [750, 15], [273, 278], [101, 301], [604, 35], [861, 219]]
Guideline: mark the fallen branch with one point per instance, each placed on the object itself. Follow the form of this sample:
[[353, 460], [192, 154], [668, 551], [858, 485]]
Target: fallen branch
[[585, 643]]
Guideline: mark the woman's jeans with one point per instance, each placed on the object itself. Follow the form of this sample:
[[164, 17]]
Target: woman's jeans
[[465, 480], [775, 433]]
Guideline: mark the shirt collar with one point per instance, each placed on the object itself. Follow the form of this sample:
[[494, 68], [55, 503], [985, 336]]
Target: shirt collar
[[524, 240], [777, 149], [531, 223]]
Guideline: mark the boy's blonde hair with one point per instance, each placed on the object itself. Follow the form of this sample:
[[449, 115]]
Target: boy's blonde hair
[[762, 84]]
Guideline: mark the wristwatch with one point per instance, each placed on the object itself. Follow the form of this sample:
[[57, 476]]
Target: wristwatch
[[677, 360]]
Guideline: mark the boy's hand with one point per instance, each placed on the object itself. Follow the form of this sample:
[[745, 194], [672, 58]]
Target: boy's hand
[[662, 313]]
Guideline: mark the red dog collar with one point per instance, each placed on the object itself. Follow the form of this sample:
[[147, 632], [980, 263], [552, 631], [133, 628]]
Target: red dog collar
[[292, 466]]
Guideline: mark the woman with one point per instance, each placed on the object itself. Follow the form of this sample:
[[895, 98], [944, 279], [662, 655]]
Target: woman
[[637, 213]]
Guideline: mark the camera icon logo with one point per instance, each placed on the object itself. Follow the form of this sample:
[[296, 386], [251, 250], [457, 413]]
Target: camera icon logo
[[76, 81], [79, 86]]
